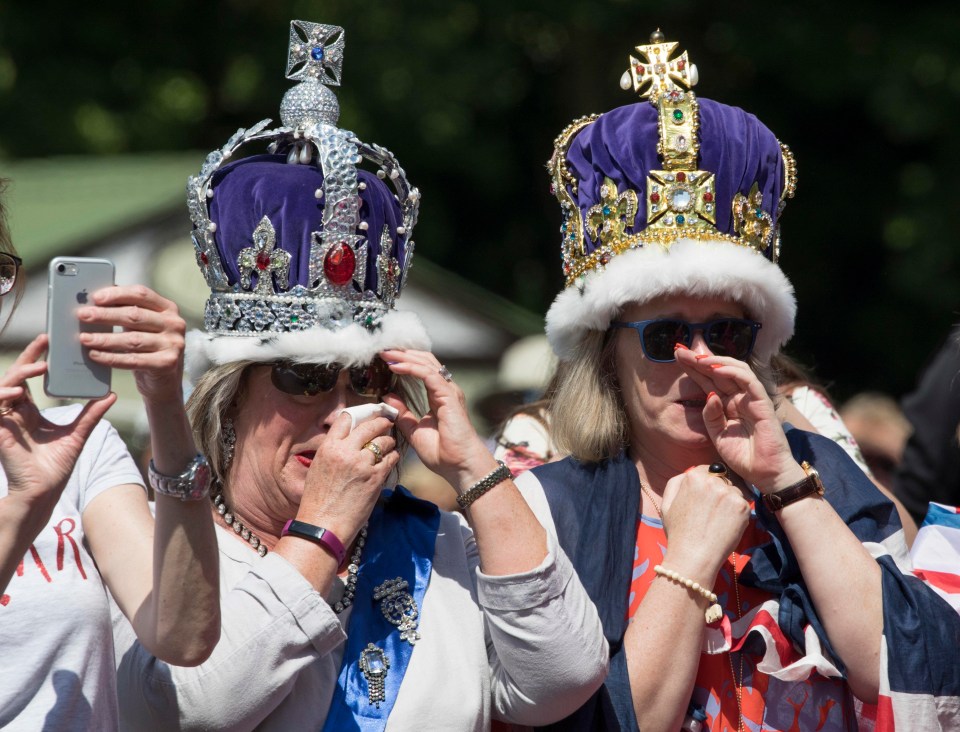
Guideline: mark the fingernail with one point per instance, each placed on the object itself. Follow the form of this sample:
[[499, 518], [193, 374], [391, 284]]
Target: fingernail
[[391, 363], [716, 365], [701, 356], [692, 467], [711, 394], [680, 347]]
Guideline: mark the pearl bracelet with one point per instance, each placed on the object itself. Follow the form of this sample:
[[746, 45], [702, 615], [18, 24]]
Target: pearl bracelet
[[714, 612]]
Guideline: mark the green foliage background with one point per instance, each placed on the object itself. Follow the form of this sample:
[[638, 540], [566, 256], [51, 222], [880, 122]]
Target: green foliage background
[[470, 95]]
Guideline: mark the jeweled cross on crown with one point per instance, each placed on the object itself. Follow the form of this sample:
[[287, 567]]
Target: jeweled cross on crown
[[316, 52], [658, 69]]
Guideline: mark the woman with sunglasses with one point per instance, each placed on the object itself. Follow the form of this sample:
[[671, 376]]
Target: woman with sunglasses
[[347, 606], [746, 575], [75, 522]]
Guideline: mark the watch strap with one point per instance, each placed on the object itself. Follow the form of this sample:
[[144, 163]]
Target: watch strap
[[193, 484], [324, 537], [809, 486]]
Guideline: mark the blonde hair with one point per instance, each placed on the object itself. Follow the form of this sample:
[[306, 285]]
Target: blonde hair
[[207, 408], [587, 414], [221, 385]]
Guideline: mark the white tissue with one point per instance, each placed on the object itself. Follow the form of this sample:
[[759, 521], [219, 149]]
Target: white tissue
[[363, 412]]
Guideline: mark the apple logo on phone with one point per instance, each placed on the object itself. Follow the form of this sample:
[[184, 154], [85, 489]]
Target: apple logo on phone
[[82, 297]]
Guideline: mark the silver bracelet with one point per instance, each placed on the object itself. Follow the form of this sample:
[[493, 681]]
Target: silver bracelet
[[487, 482]]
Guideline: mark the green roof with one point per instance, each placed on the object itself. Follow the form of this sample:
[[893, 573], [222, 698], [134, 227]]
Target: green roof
[[56, 203]]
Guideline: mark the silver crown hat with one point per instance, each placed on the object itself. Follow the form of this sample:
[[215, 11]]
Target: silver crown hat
[[305, 252]]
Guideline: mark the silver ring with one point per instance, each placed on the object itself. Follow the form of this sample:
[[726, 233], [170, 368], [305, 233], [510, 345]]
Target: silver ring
[[5, 410], [375, 449], [445, 373]]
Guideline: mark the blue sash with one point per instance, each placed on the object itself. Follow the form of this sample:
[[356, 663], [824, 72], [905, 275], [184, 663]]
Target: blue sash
[[401, 537]]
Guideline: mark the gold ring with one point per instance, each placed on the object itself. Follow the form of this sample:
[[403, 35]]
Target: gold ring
[[375, 449]]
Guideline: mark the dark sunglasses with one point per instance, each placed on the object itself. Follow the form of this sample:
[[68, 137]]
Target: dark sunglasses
[[732, 337], [309, 379], [9, 268]]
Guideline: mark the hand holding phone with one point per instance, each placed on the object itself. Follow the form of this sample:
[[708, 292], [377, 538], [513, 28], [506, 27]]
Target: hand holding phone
[[70, 371]]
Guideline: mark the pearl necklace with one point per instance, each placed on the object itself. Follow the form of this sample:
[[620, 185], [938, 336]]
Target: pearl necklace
[[350, 587]]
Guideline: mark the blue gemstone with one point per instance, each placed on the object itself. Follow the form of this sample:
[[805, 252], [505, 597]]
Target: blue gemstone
[[316, 53], [606, 210], [680, 219], [759, 213]]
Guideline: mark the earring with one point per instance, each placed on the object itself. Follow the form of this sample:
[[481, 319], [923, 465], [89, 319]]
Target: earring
[[228, 439]]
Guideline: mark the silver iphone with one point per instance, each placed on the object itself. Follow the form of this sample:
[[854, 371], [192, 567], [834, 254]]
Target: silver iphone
[[70, 372]]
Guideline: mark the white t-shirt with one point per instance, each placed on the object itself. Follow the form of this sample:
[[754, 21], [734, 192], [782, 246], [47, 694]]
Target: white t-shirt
[[56, 647]]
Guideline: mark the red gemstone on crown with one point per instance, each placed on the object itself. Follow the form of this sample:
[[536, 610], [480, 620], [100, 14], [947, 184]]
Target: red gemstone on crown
[[681, 65], [263, 260], [655, 198], [340, 264], [640, 69], [681, 176], [708, 197], [204, 258]]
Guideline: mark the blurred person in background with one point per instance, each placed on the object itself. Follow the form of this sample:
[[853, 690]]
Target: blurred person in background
[[747, 577], [930, 469], [881, 431], [74, 519], [346, 606]]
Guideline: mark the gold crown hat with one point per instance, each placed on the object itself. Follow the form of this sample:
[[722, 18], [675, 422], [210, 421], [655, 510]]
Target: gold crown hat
[[305, 250], [674, 194]]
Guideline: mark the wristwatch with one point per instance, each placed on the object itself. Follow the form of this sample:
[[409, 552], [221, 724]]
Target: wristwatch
[[192, 484], [809, 486]]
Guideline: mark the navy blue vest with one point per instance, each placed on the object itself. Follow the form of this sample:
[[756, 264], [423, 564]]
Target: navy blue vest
[[595, 506]]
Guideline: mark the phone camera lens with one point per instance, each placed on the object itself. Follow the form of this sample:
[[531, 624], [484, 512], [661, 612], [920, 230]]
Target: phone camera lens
[[61, 268]]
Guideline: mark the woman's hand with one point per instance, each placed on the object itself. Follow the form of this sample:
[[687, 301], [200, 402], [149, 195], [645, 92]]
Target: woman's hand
[[38, 456], [346, 476], [704, 517], [741, 421], [151, 343], [444, 438]]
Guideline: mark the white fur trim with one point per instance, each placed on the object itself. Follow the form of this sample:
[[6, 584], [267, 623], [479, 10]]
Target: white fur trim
[[700, 269], [348, 346]]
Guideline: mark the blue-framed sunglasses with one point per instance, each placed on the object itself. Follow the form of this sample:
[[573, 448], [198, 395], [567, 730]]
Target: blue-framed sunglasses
[[732, 337]]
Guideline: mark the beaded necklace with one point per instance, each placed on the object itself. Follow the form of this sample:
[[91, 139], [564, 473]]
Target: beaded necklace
[[353, 569]]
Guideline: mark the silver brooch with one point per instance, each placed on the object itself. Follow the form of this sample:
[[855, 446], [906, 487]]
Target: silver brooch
[[399, 607], [374, 664]]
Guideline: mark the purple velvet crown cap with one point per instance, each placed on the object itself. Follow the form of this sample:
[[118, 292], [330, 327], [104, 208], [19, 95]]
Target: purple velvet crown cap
[[266, 185], [622, 145]]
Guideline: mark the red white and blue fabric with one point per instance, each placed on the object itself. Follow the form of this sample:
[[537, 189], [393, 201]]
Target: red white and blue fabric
[[936, 552], [920, 664]]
